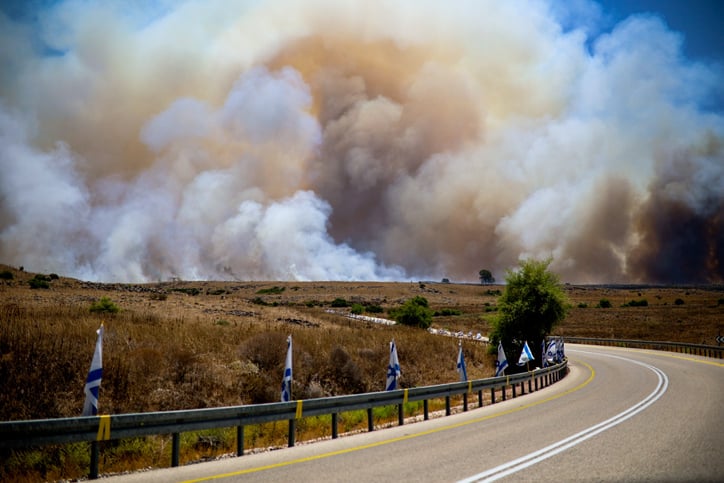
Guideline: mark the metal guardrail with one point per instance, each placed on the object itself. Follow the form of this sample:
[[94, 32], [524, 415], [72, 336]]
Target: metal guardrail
[[40, 432], [696, 349]]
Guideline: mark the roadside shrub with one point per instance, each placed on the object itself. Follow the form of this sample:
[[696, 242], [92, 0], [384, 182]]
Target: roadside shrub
[[53, 276], [583, 305], [6, 275], [679, 302], [187, 290], [357, 309], [604, 304], [374, 309], [271, 291], [104, 305]]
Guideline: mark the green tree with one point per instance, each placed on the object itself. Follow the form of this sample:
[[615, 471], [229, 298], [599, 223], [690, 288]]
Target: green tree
[[532, 303], [486, 277], [415, 312]]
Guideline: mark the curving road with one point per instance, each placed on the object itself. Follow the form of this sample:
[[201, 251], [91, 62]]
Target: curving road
[[620, 415]]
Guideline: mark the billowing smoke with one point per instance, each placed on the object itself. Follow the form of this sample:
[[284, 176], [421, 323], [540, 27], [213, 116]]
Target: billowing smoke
[[339, 140]]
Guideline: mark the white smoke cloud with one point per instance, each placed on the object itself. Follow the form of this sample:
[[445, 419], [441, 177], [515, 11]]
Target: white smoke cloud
[[346, 140]]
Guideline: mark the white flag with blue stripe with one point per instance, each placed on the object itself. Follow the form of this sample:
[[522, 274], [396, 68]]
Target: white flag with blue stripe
[[93, 381], [287, 380], [461, 363], [525, 355], [502, 363], [543, 358], [393, 369], [552, 352]]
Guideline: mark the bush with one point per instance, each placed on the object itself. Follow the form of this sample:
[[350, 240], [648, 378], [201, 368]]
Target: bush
[[604, 304], [679, 302], [636, 303], [339, 302], [271, 291], [357, 309], [39, 281], [187, 291], [104, 305], [6, 275], [415, 312], [447, 312], [583, 305]]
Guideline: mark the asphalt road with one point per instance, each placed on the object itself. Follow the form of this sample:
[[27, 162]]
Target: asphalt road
[[620, 415]]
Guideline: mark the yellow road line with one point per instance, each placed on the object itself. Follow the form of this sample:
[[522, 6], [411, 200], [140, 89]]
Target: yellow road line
[[400, 438]]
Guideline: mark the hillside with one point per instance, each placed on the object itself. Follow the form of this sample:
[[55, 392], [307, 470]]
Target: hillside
[[179, 345]]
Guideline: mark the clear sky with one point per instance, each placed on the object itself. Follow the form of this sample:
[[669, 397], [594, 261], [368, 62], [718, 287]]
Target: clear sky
[[701, 21]]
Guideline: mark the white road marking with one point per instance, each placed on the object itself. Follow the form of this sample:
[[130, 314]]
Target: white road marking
[[530, 459]]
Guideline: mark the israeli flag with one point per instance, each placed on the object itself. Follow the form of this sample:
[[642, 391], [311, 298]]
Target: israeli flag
[[461, 364], [287, 380], [502, 363], [93, 381], [525, 355], [561, 350], [543, 358], [393, 369], [552, 352]]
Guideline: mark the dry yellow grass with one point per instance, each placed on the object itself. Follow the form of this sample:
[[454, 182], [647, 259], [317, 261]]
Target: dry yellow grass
[[183, 345]]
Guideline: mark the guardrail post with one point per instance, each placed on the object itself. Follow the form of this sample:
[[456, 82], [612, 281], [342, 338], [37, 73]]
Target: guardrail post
[[513, 387], [492, 395], [529, 384], [465, 402], [400, 414], [480, 398], [536, 382], [522, 388], [504, 392], [335, 426], [425, 409], [370, 425], [175, 443], [447, 405], [292, 428], [240, 440], [94, 461]]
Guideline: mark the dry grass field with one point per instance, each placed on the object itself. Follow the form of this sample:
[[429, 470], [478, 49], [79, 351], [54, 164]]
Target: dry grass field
[[182, 345]]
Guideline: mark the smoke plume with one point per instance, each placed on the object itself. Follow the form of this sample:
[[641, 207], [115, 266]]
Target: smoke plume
[[341, 140]]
